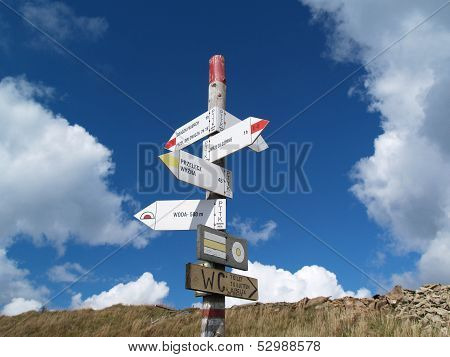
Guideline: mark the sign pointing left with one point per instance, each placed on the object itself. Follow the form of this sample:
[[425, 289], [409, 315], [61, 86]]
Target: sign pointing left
[[199, 172], [196, 129], [183, 215]]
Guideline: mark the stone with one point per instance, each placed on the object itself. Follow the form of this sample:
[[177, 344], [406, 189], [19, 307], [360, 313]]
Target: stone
[[431, 286], [442, 312], [301, 304], [316, 301], [380, 304], [396, 294]]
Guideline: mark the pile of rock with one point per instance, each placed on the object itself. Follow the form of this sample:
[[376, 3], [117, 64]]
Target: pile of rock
[[430, 304]]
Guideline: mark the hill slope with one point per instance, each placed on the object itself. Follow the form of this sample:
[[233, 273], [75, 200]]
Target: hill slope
[[424, 312]]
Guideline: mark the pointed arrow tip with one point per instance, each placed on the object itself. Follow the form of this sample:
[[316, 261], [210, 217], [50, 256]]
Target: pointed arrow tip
[[170, 143], [171, 160], [259, 125], [147, 215], [263, 123], [167, 158]]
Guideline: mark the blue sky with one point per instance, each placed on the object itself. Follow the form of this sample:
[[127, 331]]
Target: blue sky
[[278, 61]]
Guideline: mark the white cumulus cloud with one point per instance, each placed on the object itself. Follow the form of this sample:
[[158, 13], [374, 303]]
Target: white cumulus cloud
[[61, 22], [247, 229], [279, 285], [54, 182], [67, 272], [405, 183], [19, 305], [14, 282], [145, 290]]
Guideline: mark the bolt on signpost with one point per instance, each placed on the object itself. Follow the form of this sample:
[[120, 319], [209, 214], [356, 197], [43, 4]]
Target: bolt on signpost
[[224, 134]]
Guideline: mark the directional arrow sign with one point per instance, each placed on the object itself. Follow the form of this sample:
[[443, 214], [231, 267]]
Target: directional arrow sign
[[207, 123], [216, 281], [233, 139], [182, 215], [259, 144], [196, 129], [222, 248], [198, 172]]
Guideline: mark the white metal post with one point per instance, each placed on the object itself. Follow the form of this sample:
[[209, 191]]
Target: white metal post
[[213, 309]]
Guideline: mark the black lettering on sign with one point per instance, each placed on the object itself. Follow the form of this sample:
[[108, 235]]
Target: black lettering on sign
[[188, 170], [208, 280], [219, 276], [180, 214], [196, 214]]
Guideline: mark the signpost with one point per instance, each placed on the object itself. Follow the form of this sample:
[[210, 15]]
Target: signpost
[[222, 248], [220, 282], [233, 139], [184, 215], [225, 134], [198, 172]]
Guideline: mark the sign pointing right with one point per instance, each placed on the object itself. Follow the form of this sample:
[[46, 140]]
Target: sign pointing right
[[233, 139], [208, 280]]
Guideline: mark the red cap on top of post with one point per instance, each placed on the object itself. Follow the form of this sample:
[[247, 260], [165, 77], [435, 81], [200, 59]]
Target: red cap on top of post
[[217, 69]]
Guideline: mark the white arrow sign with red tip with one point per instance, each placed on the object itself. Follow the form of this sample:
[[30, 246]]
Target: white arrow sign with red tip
[[196, 129], [233, 139], [259, 144], [207, 123]]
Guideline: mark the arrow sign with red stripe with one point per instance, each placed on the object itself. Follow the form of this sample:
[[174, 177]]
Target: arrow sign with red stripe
[[196, 129], [258, 145], [207, 123], [233, 139]]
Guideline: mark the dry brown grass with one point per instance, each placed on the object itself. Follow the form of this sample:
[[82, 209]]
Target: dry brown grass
[[252, 320]]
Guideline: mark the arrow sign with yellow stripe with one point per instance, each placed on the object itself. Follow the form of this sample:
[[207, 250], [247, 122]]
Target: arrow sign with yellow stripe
[[199, 172]]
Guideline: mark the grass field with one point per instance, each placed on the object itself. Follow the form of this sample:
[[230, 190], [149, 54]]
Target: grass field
[[250, 320]]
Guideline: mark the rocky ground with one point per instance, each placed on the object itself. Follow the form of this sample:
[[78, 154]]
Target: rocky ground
[[428, 305]]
